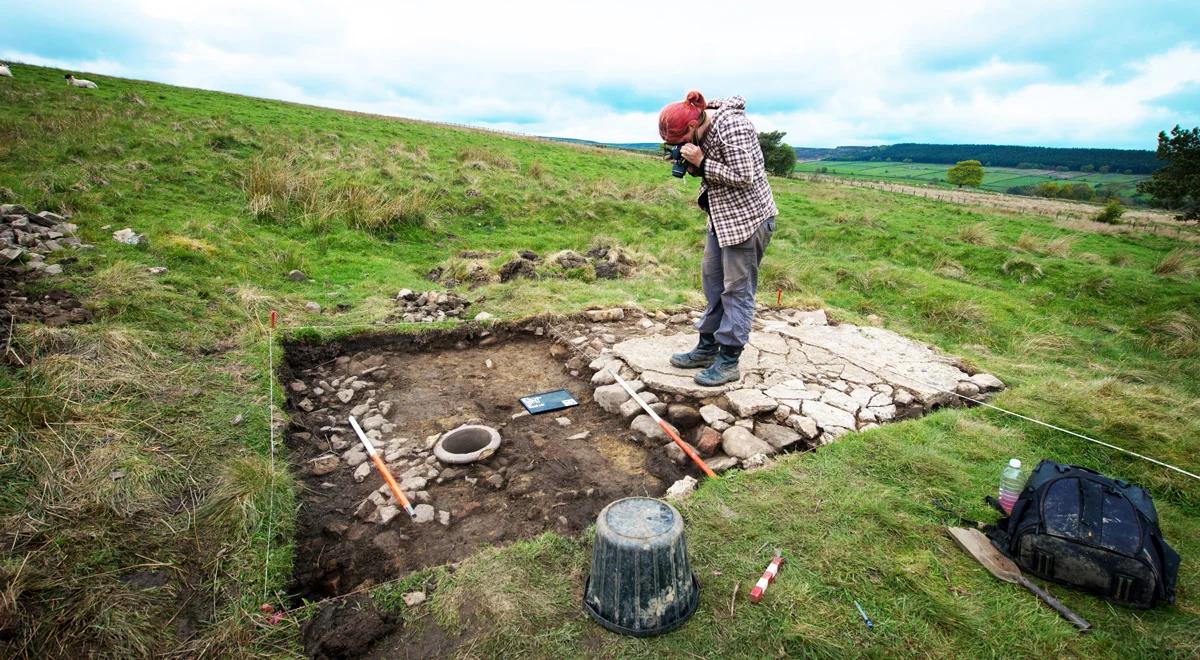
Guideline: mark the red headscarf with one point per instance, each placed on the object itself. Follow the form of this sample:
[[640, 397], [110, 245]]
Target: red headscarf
[[676, 118]]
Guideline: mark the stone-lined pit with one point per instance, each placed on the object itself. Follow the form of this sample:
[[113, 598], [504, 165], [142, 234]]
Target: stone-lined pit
[[551, 472], [467, 444]]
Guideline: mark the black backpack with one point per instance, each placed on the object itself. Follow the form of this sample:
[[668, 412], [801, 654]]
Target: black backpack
[[1080, 528]]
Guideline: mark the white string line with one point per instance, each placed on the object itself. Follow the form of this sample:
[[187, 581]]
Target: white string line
[[1019, 415], [1079, 435], [271, 426], [365, 324], [893, 372]]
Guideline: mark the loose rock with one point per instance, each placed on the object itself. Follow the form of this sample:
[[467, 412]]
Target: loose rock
[[712, 414], [779, 437], [741, 443], [683, 416], [681, 490], [424, 513], [646, 426], [708, 440], [602, 315], [323, 464], [750, 402]]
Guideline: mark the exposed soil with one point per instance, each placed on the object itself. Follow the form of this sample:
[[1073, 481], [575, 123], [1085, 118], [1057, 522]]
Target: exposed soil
[[348, 628], [19, 304], [538, 480]]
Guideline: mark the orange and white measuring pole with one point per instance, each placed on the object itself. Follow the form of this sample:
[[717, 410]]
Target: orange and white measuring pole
[[767, 578], [383, 468], [691, 453]]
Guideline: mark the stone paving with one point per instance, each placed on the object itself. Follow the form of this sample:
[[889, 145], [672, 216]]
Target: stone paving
[[804, 383]]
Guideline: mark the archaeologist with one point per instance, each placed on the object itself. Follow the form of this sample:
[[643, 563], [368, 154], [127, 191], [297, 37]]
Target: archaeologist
[[720, 144]]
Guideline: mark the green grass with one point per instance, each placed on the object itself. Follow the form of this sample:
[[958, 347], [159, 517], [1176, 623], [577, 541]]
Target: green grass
[[995, 179], [120, 455]]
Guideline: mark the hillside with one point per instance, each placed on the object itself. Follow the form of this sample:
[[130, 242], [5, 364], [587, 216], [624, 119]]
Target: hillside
[[149, 507]]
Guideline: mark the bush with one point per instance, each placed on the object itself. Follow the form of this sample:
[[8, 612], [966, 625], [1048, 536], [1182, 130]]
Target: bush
[[1111, 213]]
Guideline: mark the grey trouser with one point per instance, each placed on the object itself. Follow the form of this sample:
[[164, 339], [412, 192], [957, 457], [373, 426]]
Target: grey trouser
[[730, 278]]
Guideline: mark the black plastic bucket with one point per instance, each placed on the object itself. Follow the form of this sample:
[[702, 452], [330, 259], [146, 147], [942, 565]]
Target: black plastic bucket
[[641, 582]]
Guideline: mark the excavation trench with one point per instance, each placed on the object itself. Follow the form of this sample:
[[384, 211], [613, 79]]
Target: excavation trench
[[805, 382], [546, 475]]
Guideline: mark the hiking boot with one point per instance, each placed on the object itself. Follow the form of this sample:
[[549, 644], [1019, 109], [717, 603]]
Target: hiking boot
[[723, 370], [701, 356]]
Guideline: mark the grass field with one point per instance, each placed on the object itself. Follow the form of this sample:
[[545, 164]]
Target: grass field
[[120, 454], [996, 179]]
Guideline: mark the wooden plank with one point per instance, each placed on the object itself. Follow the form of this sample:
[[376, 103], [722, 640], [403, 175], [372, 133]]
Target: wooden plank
[[978, 546]]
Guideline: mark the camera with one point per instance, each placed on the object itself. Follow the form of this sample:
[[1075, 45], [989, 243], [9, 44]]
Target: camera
[[680, 166]]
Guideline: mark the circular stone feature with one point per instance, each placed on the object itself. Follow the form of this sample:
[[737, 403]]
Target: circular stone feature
[[467, 444]]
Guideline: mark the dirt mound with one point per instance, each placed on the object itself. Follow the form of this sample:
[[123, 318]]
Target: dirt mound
[[347, 628], [517, 268]]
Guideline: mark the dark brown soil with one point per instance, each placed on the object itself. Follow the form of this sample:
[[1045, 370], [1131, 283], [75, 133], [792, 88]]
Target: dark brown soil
[[19, 303], [549, 482], [347, 628]]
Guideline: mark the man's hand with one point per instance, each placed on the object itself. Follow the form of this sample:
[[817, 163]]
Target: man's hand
[[692, 154]]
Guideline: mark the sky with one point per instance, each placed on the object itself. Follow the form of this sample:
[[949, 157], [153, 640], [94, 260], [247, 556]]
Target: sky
[[1062, 73]]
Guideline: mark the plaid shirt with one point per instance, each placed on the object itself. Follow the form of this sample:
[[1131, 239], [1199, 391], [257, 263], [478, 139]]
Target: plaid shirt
[[739, 197]]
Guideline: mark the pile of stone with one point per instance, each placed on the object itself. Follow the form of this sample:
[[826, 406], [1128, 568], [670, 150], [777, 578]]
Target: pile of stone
[[26, 238], [428, 306], [324, 397], [804, 383]]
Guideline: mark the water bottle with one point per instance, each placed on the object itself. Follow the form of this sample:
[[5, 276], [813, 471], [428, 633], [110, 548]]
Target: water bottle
[[1011, 484]]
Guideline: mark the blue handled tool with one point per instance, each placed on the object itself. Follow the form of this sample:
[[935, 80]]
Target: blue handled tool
[[866, 619]]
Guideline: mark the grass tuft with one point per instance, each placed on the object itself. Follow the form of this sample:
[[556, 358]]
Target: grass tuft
[[1180, 261], [482, 158], [976, 234], [1023, 269], [1028, 242], [1059, 247], [1176, 333]]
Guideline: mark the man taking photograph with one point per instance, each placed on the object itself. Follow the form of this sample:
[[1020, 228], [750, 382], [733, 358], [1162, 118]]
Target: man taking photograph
[[721, 145]]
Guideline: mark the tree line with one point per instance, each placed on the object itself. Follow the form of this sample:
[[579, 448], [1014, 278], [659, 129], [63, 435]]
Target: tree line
[[1127, 161]]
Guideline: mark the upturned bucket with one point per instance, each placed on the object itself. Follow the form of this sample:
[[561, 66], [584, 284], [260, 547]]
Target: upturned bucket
[[641, 582]]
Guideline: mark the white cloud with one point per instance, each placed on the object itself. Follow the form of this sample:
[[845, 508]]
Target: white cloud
[[829, 74]]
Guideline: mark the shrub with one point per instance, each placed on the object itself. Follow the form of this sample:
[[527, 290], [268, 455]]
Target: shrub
[[1111, 213]]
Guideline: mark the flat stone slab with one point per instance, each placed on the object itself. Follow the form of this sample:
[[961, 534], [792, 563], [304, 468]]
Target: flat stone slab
[[650, 356], [796, 360]]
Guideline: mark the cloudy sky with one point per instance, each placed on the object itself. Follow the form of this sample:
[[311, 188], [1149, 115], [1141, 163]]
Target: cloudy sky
[[1060, 73]]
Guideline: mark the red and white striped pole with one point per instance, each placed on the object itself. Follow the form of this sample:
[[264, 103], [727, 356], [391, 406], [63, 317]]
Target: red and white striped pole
[[767, 578]]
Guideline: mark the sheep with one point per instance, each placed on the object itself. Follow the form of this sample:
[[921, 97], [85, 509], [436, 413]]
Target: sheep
[[79, 82], [5, 71]]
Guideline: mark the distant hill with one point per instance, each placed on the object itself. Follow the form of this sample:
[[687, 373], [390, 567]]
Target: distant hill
[[627, 146], [1130, 161]]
